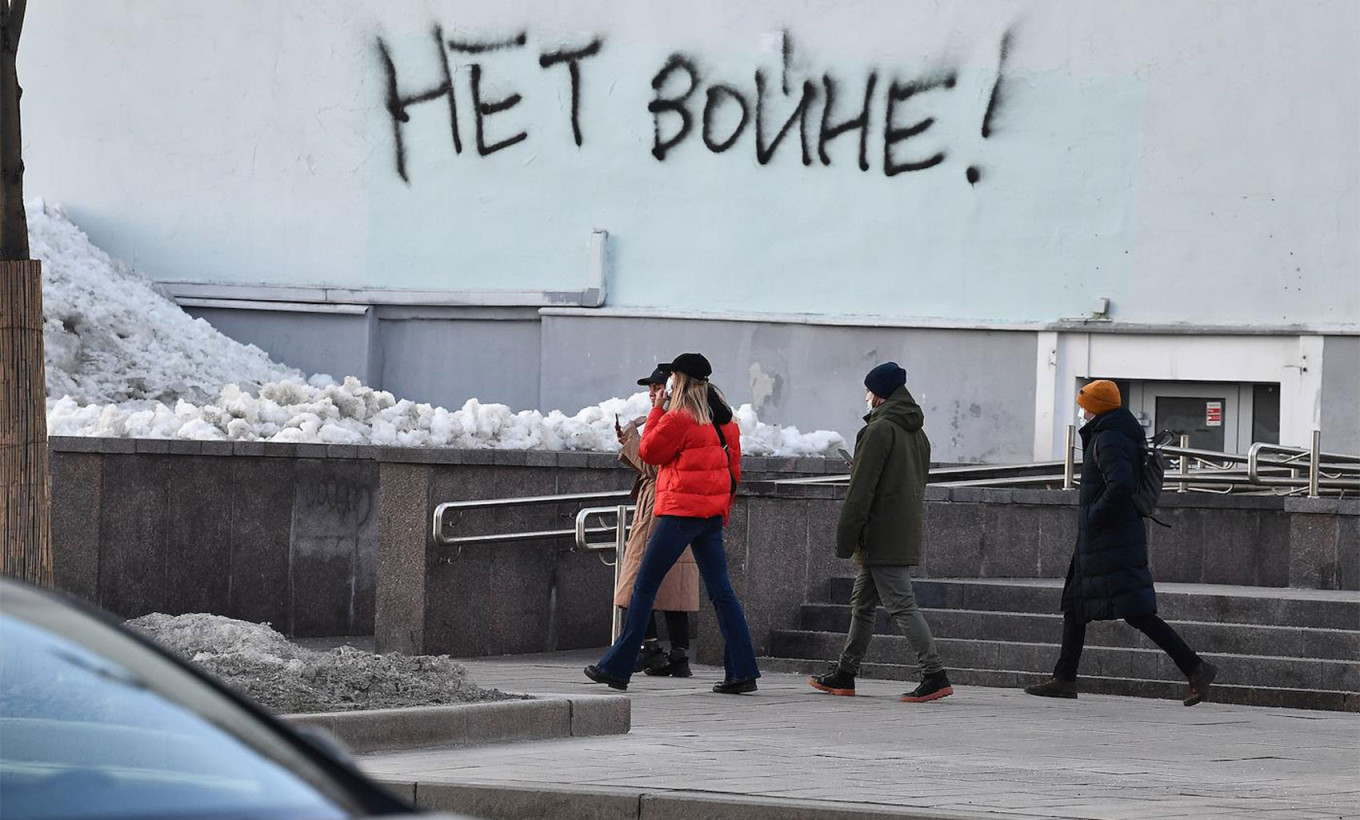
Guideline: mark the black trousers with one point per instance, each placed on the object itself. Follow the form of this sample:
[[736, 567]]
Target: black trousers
[[1159, 631], [677, 627]]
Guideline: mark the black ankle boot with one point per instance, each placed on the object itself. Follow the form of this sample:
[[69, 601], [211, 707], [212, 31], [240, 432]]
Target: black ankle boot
[[735, 687], [652, 655], [1200, 681], [596, 674], [1054, 688], [676, 666]]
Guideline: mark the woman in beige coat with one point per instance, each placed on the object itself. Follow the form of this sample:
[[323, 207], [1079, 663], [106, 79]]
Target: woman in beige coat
[[679, 592]]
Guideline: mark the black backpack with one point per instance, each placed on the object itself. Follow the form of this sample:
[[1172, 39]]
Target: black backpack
[[1150, 478]]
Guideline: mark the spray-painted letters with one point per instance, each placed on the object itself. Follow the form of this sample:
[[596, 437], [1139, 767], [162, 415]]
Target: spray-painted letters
[[686, 106]]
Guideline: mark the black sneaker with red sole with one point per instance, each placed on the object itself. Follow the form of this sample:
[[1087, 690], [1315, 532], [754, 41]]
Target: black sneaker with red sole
[[934, 687], [836, 682]]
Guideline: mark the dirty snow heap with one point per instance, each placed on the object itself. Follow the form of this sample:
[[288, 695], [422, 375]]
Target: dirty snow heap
[[287, 678]]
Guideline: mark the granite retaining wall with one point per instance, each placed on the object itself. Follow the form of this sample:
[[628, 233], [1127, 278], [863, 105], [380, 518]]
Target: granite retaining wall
[[323, 540]]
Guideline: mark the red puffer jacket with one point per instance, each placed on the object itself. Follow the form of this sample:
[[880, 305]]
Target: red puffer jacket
[[694, 481]]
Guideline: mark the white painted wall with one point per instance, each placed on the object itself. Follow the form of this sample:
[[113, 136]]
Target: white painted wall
[[1193, 161]]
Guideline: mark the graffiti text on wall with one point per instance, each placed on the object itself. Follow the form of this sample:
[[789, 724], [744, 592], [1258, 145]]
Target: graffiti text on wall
[[686, 106]]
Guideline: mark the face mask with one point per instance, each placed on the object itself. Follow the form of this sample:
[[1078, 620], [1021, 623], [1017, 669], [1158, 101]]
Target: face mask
[[670, 387], [869, 405]]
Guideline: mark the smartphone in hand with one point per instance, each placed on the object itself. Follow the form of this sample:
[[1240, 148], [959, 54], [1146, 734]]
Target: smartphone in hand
[[846, 456], [618, 429]]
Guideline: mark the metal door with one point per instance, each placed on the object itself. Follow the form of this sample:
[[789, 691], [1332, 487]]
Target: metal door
[[1211, 413], [1201, 417]]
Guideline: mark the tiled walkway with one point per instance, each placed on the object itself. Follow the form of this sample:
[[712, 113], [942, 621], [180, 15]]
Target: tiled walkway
[[980, 751]]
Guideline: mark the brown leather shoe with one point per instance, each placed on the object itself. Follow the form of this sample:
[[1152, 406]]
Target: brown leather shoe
[[1054, 688], [1200, 681]]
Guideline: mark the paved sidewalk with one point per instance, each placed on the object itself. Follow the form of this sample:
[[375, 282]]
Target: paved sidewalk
[[988, 751]]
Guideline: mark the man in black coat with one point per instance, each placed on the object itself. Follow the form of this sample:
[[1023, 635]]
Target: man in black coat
[[1108, 578]]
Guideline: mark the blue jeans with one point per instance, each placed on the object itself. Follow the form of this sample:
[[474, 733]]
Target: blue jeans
[[704, 536]]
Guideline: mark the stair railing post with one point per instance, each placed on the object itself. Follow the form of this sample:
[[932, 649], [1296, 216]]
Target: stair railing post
[[620, 544], [1314, 464], [1185, 463], [1069, 457]]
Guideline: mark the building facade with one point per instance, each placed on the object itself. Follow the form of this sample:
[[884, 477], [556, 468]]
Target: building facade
[[532, 203]]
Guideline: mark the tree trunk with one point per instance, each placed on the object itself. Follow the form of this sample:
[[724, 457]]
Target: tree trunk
[[25, 519], [13, 222]]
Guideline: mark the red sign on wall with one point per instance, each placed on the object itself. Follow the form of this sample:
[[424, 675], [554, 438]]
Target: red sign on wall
[[1213, 414]]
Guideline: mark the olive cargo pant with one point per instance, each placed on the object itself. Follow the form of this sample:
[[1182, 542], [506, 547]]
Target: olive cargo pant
[[889, 587]]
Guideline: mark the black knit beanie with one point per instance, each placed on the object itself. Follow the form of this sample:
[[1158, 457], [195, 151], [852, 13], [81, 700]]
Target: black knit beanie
[[885, 379]]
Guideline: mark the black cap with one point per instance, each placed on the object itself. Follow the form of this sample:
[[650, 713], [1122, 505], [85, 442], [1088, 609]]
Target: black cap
[[885, 379], [657, 377], [693, 365]]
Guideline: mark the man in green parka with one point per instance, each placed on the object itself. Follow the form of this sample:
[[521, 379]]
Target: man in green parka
[[880, 527]]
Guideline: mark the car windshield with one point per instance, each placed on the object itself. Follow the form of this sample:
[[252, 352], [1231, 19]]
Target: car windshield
[[95, 725]]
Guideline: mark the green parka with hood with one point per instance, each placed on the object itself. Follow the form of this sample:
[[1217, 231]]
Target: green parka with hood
[[880, 523]]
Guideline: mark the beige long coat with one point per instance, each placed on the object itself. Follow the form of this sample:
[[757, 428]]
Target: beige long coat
[[679, 591]]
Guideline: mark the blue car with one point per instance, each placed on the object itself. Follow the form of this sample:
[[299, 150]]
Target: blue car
[[98, 722]]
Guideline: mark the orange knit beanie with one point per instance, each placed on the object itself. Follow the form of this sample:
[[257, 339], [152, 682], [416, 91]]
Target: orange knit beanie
[[1099, 397]]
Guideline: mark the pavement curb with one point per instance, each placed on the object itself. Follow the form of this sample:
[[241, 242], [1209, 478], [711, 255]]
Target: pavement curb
[[519, 802], [540, 717]]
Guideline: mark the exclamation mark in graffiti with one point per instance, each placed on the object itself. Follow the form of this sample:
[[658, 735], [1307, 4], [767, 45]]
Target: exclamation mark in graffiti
[[993, 103]]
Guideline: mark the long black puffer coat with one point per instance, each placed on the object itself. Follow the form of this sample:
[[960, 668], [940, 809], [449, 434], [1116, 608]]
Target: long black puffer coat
[[1109, 578]]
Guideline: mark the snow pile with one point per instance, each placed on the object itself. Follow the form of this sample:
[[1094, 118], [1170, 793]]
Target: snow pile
[[127, 362], [112, 336], [760, 439], [351, 413], [348, 413], [287, 678]]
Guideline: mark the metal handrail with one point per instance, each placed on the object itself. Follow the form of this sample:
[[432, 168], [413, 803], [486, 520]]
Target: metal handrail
[[1329, 471], [941, 474], [618, 546], [1199, 470], [1296, 454], [437, 519], [580, 533], [516, 537]]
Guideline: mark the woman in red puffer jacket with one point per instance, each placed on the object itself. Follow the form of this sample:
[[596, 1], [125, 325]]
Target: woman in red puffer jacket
[[697, 445]]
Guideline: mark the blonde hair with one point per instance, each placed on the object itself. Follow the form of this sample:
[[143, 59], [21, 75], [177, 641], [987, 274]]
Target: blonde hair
[[691, 395]]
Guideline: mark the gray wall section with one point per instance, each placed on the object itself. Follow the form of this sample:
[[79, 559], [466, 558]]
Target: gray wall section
[[1341, 394], [446, 362], [976, 387], [443, 356], [337, 344], [289, 541]]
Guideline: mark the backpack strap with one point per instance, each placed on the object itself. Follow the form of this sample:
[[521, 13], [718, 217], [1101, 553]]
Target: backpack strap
[[722, 439]]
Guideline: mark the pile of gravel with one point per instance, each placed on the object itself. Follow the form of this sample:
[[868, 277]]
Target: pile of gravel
[[287, 678]]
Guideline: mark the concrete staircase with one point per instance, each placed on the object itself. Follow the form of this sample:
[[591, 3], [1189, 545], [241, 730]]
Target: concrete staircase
[[1274, 647]]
